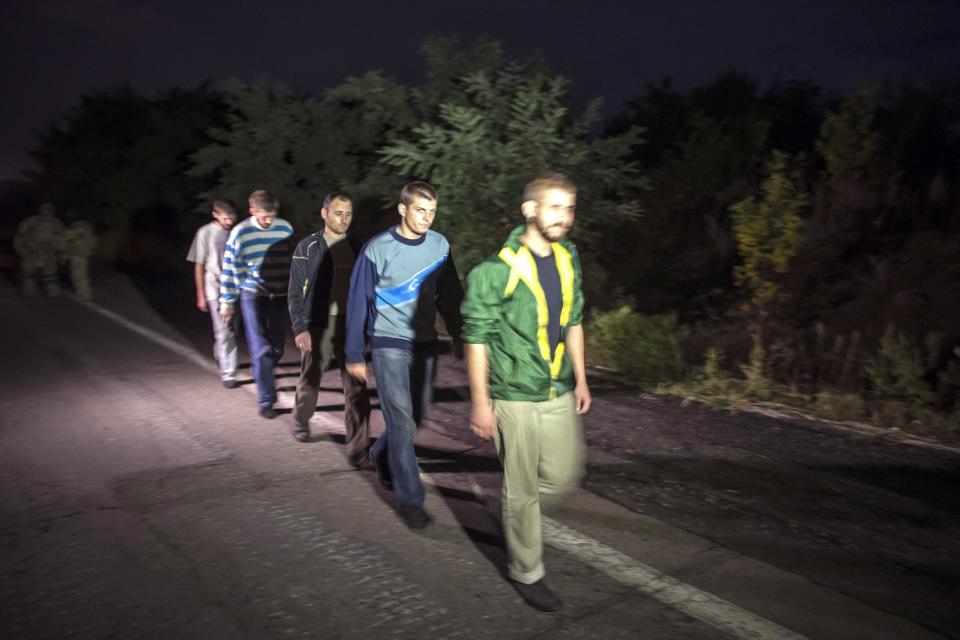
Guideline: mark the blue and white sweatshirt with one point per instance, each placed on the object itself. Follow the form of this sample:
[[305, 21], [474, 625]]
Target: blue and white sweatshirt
[[256, 260], [396, 287]]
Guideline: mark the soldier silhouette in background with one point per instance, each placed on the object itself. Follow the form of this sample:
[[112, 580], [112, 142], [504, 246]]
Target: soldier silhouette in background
[[79, 241], [39, 241]]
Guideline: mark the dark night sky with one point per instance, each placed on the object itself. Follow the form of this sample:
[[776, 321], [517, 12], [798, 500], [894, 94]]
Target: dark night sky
[[52, 51]]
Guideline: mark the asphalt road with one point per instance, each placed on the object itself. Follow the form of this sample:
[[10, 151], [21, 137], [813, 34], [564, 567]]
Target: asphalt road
[[138, 498]]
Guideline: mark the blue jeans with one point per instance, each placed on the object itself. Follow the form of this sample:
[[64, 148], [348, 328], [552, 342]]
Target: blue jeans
[[265, 319], [405, 388]]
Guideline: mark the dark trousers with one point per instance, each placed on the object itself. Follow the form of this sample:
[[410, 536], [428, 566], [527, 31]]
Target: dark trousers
[[265, 319], [356, 400], [405, 389]]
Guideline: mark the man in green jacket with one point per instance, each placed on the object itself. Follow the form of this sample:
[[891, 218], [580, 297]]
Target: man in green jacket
[[524, 345]]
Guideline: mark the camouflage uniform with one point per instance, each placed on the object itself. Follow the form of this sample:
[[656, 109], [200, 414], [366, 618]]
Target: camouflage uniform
[[38, 241], [80, 241]]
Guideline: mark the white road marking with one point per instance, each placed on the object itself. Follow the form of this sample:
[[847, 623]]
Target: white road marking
[[180, 349], [698, 604]]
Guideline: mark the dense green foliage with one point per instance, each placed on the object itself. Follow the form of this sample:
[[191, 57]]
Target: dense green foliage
[[505, 127], [896, 371], [300, 147], [120, 159], [783, 228], [768, 232], [646, 348]]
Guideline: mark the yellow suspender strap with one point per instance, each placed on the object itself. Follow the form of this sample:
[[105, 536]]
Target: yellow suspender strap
[[523, 268]]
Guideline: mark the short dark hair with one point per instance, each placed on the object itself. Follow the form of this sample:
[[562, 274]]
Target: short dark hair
[[263, 199], [335, 195], [546, 181], [224, 206], [415, 189]]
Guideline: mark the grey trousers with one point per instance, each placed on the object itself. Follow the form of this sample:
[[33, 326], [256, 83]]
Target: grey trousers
[[224, 341]]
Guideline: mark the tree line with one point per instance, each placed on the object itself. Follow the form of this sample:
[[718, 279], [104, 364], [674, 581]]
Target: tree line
[[792, 231]]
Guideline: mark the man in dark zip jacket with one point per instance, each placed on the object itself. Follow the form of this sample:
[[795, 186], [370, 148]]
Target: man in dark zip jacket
[[317, 298]]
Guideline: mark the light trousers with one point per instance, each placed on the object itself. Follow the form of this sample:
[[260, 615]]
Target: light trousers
[[224, 340], [541, 448]]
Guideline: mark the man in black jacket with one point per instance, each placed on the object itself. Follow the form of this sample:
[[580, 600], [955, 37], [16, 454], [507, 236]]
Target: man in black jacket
[[317, 297]]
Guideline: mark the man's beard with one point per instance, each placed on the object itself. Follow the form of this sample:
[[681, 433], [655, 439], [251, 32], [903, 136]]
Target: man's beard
[[553, 232]]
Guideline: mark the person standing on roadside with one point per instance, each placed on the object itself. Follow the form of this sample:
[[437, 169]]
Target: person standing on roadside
[[79, 242], [39, 241]]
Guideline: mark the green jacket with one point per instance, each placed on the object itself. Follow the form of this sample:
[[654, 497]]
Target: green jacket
[[505, 309]]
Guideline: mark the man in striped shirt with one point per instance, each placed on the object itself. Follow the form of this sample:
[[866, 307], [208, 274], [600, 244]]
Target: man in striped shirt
[[256, 269]]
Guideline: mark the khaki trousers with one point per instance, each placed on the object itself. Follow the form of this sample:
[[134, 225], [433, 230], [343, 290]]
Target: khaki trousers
[[541, 448]]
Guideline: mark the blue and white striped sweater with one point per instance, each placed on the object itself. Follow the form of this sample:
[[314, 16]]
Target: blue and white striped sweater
[[256, 260]]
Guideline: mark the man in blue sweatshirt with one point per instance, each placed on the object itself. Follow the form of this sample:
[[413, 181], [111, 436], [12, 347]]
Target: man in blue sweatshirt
[[401, 277]]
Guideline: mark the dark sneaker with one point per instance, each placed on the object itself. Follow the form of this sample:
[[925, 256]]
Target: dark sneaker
[[231, 384], [538, 595], [301, 433], [415, 517], [382, 467], [360, 460], [268, 412]]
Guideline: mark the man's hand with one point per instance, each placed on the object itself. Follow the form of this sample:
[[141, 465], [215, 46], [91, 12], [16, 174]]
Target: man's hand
[[581, 394], [202, 303], [358, 370], [304, 341], [226, 312], [482, 419], [458, 349]]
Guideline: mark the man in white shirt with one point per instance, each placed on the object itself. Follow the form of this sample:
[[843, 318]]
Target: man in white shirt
[[206, 253]]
